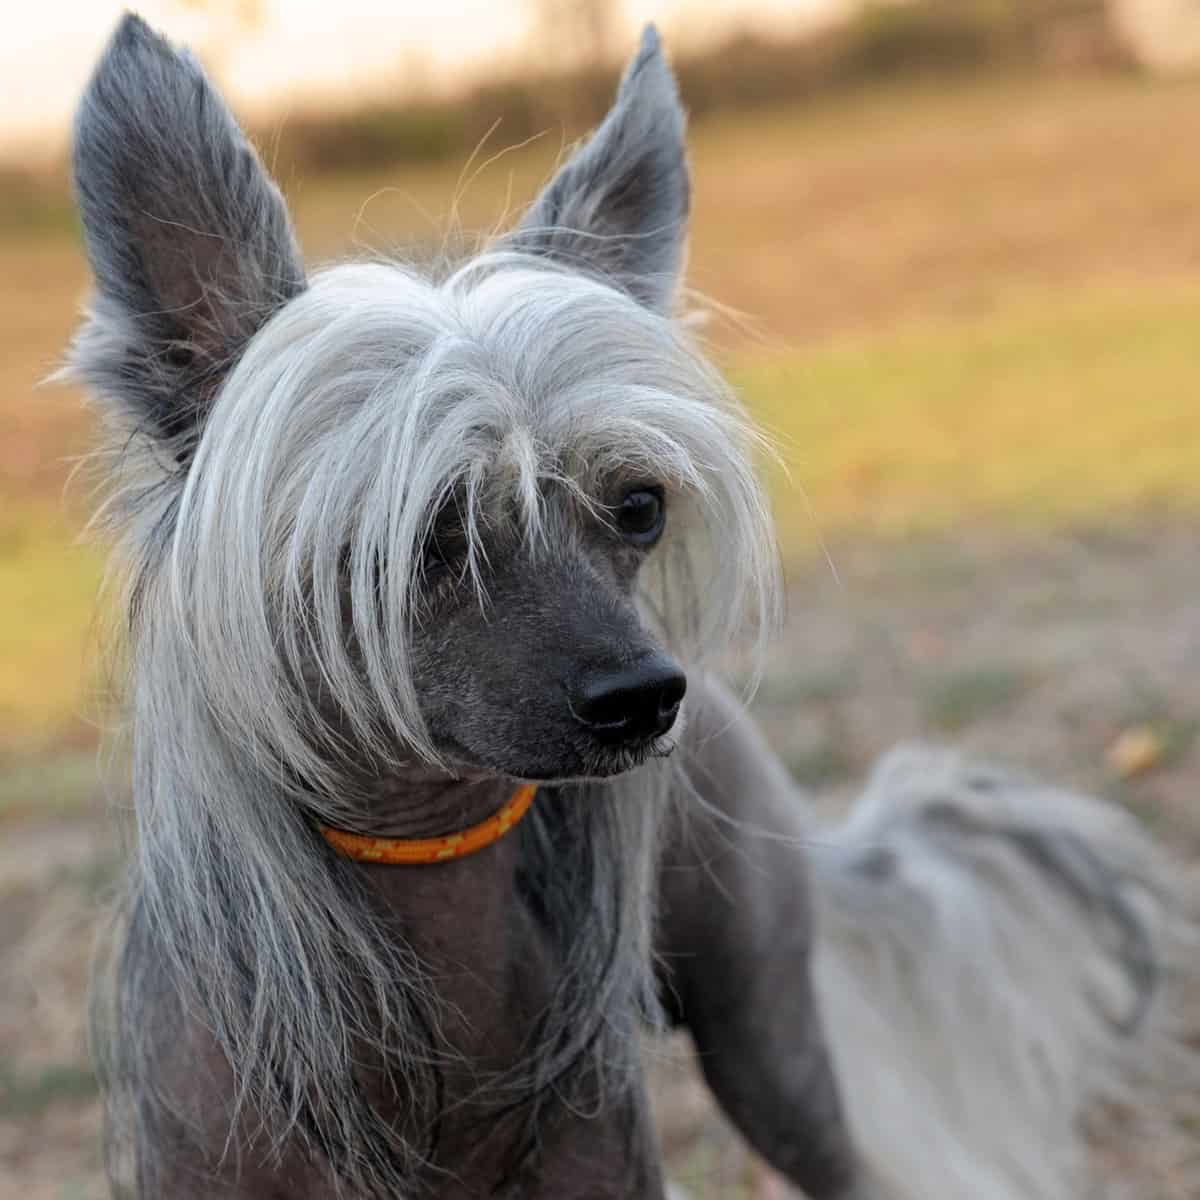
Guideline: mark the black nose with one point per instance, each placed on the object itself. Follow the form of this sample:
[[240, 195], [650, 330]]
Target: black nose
[[631, 704]]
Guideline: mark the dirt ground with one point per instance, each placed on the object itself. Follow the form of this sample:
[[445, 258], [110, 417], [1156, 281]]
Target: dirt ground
[[1040, 653]]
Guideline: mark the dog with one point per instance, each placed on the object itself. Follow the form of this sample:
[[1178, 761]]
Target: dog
[[440, 805]]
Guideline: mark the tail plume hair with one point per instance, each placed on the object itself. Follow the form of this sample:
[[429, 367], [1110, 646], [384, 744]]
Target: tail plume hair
[[1001, 965]]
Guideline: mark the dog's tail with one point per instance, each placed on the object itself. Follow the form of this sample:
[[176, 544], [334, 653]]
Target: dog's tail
[[999, 965]]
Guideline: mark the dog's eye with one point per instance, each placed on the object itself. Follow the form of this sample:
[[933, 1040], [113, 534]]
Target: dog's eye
[[443, 548], [641, 516], [446, 541]]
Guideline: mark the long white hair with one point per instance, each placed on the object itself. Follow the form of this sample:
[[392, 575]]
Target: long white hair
[[336, 438], [1006, 971], [281, 442]]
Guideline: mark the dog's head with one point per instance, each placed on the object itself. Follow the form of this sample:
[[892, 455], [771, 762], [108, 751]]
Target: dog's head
[[476, 519]]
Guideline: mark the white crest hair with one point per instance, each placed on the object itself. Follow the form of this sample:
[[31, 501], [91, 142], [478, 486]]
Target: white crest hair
[[356, 410], [361, 407], [282, 445]]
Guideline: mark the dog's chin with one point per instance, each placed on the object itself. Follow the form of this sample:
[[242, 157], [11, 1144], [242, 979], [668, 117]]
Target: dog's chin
[[584, 764], [607, 762]]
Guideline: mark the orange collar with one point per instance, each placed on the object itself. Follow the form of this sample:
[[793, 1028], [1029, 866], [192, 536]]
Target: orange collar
[[411, 852]]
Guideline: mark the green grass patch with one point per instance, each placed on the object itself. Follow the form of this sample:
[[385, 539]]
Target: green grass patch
[[957, 700], [61, 784], [29, 1095], [1048, 413], [790, 691], [48, 660], [821, 765]]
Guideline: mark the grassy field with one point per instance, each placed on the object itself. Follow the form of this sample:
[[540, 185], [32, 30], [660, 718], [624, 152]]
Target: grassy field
[[968, 315], [1036, 416]]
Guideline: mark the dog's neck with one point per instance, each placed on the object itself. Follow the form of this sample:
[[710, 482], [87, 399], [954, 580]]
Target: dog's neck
[[496, 973], [425, 803]]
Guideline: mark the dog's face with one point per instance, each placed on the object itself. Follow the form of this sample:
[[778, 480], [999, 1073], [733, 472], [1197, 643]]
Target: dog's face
[[557, 675], [399, 515]]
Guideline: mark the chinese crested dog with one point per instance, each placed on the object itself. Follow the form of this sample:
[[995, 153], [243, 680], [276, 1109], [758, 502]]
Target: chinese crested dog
[[420, 569]]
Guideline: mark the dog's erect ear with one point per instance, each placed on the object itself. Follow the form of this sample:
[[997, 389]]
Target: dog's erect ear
[[188, 239], [619, 206]]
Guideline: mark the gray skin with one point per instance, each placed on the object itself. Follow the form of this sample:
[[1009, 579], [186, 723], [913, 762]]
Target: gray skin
[[735, 936], [465, 922], [733, 942], [192, 251]]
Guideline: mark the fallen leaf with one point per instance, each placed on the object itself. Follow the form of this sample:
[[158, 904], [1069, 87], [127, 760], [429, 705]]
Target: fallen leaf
[[1137, 750]]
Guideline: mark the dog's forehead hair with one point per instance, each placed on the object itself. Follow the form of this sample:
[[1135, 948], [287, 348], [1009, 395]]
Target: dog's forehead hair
[[510, 379]]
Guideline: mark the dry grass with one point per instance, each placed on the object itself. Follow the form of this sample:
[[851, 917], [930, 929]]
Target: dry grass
[[927, 202], [849, 214]]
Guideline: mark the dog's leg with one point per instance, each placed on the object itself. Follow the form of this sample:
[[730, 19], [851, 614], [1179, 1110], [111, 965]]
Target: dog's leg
[[734, 946]]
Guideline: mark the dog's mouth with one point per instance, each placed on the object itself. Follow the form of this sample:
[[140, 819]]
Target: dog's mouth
[[597, 746], [580, 765], [606, 762]]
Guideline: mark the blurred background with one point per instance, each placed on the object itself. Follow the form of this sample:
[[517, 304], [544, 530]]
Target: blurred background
[[949, 250]]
